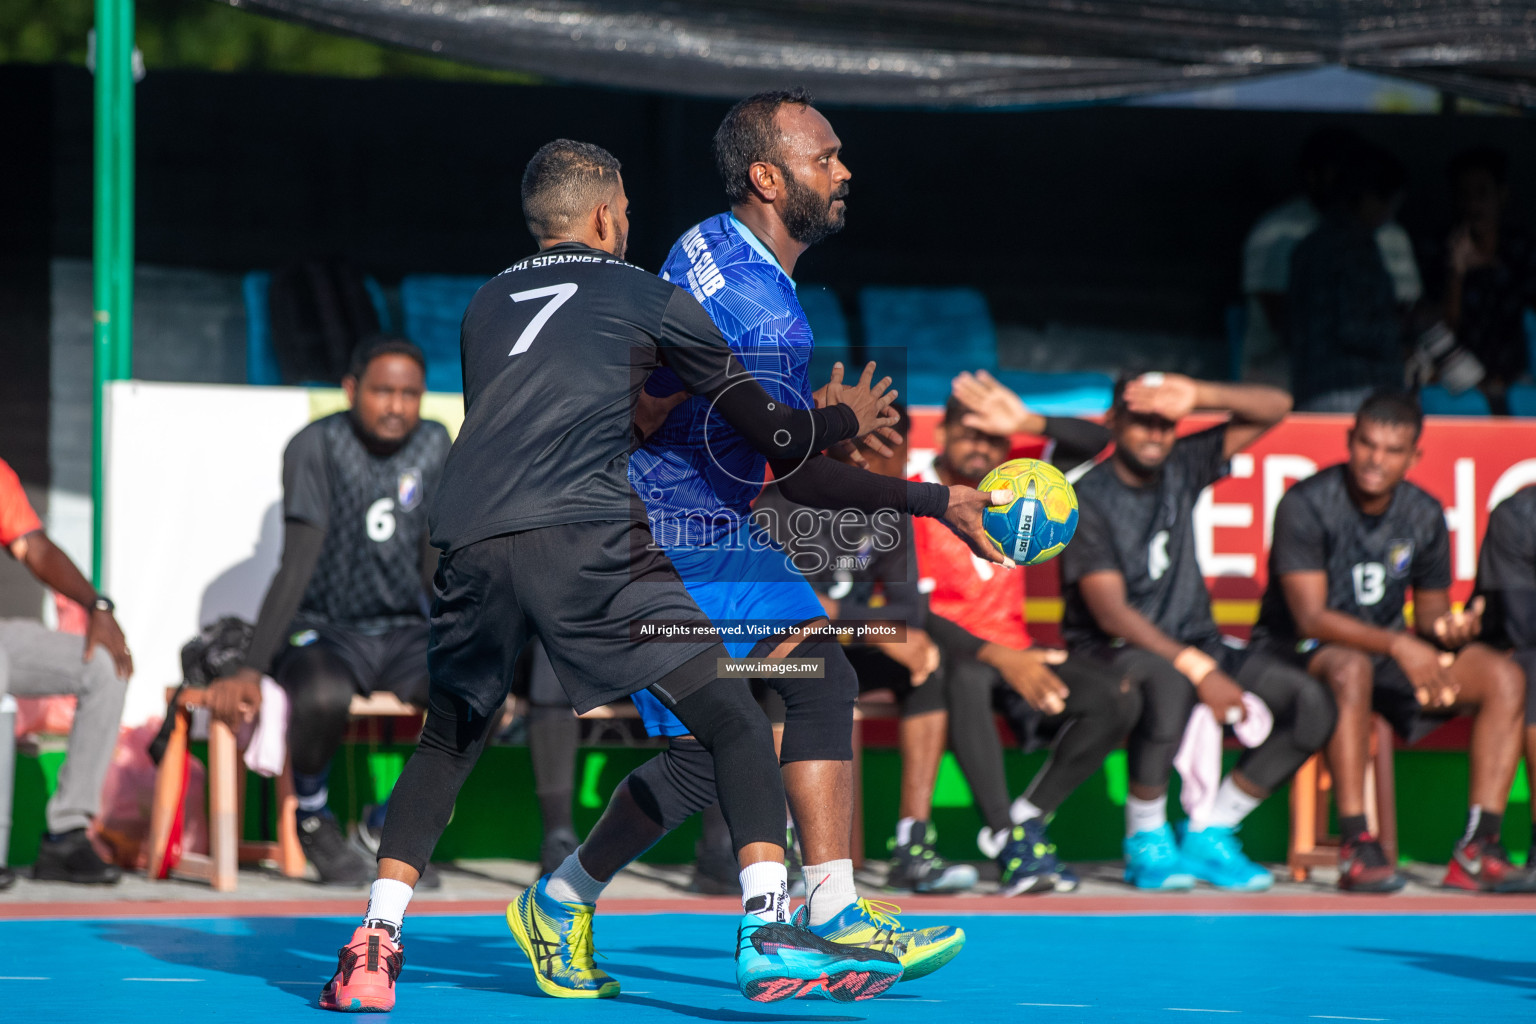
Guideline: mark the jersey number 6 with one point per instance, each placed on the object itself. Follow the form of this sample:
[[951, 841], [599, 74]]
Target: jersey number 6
[[558, 294]]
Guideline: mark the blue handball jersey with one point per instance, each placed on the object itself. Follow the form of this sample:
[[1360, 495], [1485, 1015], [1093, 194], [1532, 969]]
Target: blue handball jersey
[[696, 470]]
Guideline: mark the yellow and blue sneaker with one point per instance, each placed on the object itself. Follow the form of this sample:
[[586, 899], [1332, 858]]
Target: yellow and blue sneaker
[[557, 939], [873, 925], [776, 960]]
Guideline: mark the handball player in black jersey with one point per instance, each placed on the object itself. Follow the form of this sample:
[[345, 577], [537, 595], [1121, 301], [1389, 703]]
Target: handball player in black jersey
[[1505, 598], [1135, 596], [542, 536], [1349, 544]]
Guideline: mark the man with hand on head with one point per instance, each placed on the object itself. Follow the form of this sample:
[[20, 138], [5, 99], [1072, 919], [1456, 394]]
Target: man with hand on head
[[1349, 544], [1135, 598]]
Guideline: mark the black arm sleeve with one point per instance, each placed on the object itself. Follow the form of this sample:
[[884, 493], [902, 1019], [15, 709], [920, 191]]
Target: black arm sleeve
[[692, 347], [953, 638], [1077, 441], [821, 482], [301, 550], [428, 563]]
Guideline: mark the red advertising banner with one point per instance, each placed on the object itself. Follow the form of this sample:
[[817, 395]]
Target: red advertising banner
[[1469, 464]]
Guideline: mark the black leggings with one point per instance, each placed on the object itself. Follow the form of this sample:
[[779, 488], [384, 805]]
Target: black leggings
[[1303, 708], [1101, 707], [320, 687], [719, 712]]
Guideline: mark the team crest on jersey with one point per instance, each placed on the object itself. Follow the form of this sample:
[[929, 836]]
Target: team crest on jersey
[[1399, 557], [408, 489]]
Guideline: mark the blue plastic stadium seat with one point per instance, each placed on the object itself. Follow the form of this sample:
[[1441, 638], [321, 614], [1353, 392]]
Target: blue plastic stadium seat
[[434, 305], [260, 358], [1439, 402], [830, 329], [1522, 400], [941, 330], [1060, 394]]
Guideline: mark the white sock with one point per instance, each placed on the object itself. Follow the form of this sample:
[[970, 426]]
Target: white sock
[[1145, 815], [387, 901], [904, 830], [828, 889], [570, 883], [765, 890], [1230, 808], [1022, 810], [991, 843], [315, 802]]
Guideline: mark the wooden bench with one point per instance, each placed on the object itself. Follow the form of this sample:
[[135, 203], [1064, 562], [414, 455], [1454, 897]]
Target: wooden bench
[[226, 798]]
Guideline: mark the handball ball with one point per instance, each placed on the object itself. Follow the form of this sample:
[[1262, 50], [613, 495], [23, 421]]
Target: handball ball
[[1041, 519]]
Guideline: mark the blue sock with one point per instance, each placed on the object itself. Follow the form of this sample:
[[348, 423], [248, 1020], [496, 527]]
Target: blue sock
[[312, 793]]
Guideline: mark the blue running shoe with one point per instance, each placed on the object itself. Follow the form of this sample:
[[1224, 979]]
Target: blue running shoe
[[1028, 864], [874, 925], [1214, 855], [1152, 861], [781, 961]]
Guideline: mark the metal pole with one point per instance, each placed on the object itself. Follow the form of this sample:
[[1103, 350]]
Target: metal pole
[[113, 234]]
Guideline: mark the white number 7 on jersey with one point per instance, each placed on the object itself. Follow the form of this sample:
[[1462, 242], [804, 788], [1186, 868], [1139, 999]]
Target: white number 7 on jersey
[[560, 293]]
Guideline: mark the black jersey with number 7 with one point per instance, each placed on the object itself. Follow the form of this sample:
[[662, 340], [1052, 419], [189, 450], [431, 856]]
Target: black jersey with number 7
[[556, 349]]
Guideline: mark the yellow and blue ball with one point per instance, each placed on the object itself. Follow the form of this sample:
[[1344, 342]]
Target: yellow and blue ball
[[1042, 517]]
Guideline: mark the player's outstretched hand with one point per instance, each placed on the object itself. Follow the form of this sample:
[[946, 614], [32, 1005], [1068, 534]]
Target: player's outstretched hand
[[1169, 395], [869, 399], [1223, 696], [1457, 629], [879, 442], [963, 516], [1029, 674], [992, 406], [1427, 669]]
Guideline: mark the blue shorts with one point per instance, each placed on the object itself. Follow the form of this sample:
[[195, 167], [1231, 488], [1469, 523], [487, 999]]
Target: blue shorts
[[749, 590]]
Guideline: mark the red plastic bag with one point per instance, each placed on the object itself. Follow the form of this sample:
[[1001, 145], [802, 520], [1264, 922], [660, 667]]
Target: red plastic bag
[[129, 793]]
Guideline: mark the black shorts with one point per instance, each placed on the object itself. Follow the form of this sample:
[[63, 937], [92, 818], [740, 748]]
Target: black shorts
[[584, 589], [393, 661], [1391, 693]]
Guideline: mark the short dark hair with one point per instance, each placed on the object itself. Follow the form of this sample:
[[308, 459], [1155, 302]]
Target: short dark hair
[[1479, 158], [749, 135], [378, 345], [1394, 408], [564, 182]]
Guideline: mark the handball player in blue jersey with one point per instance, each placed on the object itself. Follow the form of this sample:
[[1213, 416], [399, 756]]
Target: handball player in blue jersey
[[780, 162]]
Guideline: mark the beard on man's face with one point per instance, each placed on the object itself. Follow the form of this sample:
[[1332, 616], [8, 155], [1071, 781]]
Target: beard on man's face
[[807, 216]]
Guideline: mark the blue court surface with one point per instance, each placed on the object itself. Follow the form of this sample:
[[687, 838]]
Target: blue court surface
[[1363, 967]]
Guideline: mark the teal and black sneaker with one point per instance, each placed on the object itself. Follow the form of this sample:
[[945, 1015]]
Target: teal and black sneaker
[[781, 961], [1214, 855], [1152, 861]]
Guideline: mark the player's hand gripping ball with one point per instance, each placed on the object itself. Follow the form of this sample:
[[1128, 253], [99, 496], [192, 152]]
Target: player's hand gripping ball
[[1041, 519]]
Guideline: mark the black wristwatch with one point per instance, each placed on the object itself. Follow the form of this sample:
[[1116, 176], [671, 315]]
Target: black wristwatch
[[103, 603]]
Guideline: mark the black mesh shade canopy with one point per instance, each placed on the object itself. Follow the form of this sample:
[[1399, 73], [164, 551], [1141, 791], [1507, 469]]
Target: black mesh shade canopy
[[960, 53]]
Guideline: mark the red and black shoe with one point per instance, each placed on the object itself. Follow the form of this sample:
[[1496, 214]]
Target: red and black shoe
[[366, 970], [1481, 865], [1363, 867]]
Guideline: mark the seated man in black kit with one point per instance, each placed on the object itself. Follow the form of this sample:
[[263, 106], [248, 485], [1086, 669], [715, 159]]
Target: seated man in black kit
[[347, 610], [1505, 601], [1349, 543], [1135, 597]]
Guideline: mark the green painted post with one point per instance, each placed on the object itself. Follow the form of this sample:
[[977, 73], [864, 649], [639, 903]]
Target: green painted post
[[112, 347]]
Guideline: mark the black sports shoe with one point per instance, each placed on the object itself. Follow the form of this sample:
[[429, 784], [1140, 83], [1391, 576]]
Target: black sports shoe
[[917, 867], [7, 878], [71, 858], [1363, 867], [337, 861], [559, 844]]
